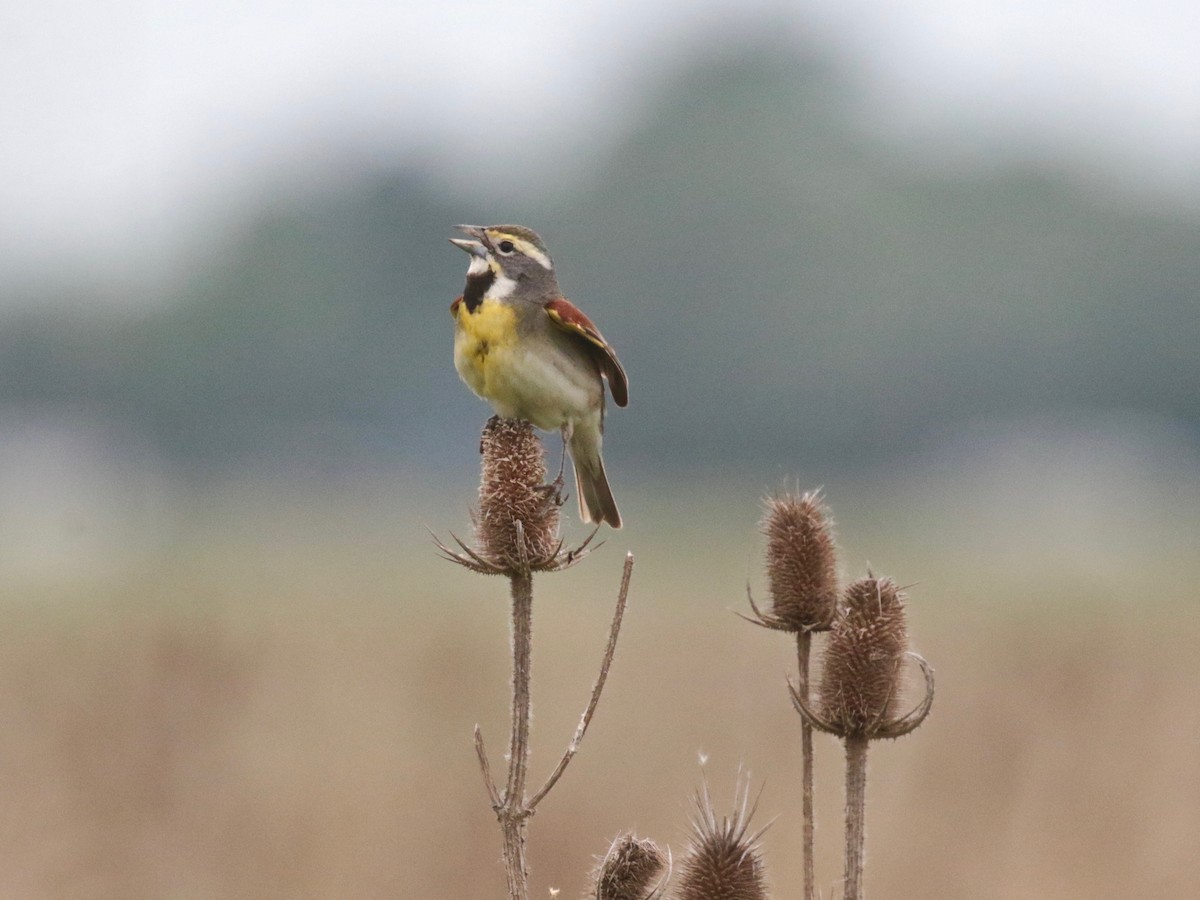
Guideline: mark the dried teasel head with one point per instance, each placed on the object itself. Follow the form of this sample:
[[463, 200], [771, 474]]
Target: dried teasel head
[[801, 563], [723, 859], [518, 515], [864, 660], [516, 525], [632, 869], [861, 686]]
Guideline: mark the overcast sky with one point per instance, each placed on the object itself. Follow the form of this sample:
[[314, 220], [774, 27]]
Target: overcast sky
[[128, 123]]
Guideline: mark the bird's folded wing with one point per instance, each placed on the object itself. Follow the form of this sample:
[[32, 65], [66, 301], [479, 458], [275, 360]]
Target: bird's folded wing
[[567, 316]]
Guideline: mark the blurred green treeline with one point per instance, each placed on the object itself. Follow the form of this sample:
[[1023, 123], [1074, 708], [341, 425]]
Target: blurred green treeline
[[772, 273]]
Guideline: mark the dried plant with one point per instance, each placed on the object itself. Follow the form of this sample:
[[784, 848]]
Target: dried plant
[[864, 662], [801, 564], [516, 525], [516, 533], [632, 869], [723, 859], [859, 695]]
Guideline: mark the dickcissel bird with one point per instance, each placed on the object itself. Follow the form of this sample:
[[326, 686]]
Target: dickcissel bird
[[528, 351]]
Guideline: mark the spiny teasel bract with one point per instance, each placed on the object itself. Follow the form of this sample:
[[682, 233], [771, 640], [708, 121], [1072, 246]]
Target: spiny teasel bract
[[723, 860]]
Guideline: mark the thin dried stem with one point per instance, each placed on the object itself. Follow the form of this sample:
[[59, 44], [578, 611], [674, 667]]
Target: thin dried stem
[[613, 632], [513, 812], [856, 809], [803, 651], [486, 768], [512, 808], [516, 869]]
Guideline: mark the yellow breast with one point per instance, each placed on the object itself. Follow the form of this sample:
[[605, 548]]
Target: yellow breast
[[482, 340]]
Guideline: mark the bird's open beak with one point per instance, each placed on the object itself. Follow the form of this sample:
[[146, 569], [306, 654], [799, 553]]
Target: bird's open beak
[[475, 247]]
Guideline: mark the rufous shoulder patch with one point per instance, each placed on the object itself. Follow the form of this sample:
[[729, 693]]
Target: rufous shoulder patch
[[567, 316]]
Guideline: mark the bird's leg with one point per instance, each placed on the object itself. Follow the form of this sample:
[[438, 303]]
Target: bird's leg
[[554, 490], [562, 463], [491, 423]]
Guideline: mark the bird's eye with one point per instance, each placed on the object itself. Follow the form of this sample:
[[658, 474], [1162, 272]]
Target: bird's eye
[[506, 247]]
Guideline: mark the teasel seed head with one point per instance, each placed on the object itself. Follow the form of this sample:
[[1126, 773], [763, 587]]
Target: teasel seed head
[[862, 678], [516, 525], [517, 518], [801, 563], [860, 687], [723, 860], [632, 869]]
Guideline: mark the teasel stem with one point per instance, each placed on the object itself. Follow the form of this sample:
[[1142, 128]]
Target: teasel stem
[[801, 564], [516, 531], [856, 813], [859, 692], [803, 652], [513, 813]]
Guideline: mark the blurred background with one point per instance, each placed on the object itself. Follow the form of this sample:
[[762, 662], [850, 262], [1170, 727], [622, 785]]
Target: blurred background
[[941, 259]]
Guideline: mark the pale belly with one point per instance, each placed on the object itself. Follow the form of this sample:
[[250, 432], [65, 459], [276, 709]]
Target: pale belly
[[548, 388]]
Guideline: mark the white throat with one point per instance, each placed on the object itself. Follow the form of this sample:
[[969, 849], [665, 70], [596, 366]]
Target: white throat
[[502, 286]]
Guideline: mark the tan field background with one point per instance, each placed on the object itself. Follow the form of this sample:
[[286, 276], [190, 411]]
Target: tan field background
[[278, 701], [943, 262]]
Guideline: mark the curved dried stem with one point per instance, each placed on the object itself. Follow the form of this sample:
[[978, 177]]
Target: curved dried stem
[[772, 621], [486, 768], [766, 620], [911, 720], [609, 651], [660, 888], [808, 714], [468, 558]]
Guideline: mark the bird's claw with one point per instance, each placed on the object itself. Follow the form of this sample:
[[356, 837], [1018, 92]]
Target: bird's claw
[[491, 423], [554, 491]]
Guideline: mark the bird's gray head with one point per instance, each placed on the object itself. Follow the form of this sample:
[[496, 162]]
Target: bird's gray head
[[506, 261]]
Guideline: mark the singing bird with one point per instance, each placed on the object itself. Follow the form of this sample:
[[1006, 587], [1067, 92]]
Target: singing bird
[[530, 352]]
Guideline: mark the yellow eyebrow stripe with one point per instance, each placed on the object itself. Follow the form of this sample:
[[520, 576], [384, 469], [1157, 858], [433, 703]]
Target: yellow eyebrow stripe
[[524, 246]]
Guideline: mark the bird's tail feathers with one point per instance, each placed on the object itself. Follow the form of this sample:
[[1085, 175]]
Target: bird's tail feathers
[[596, 503]]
